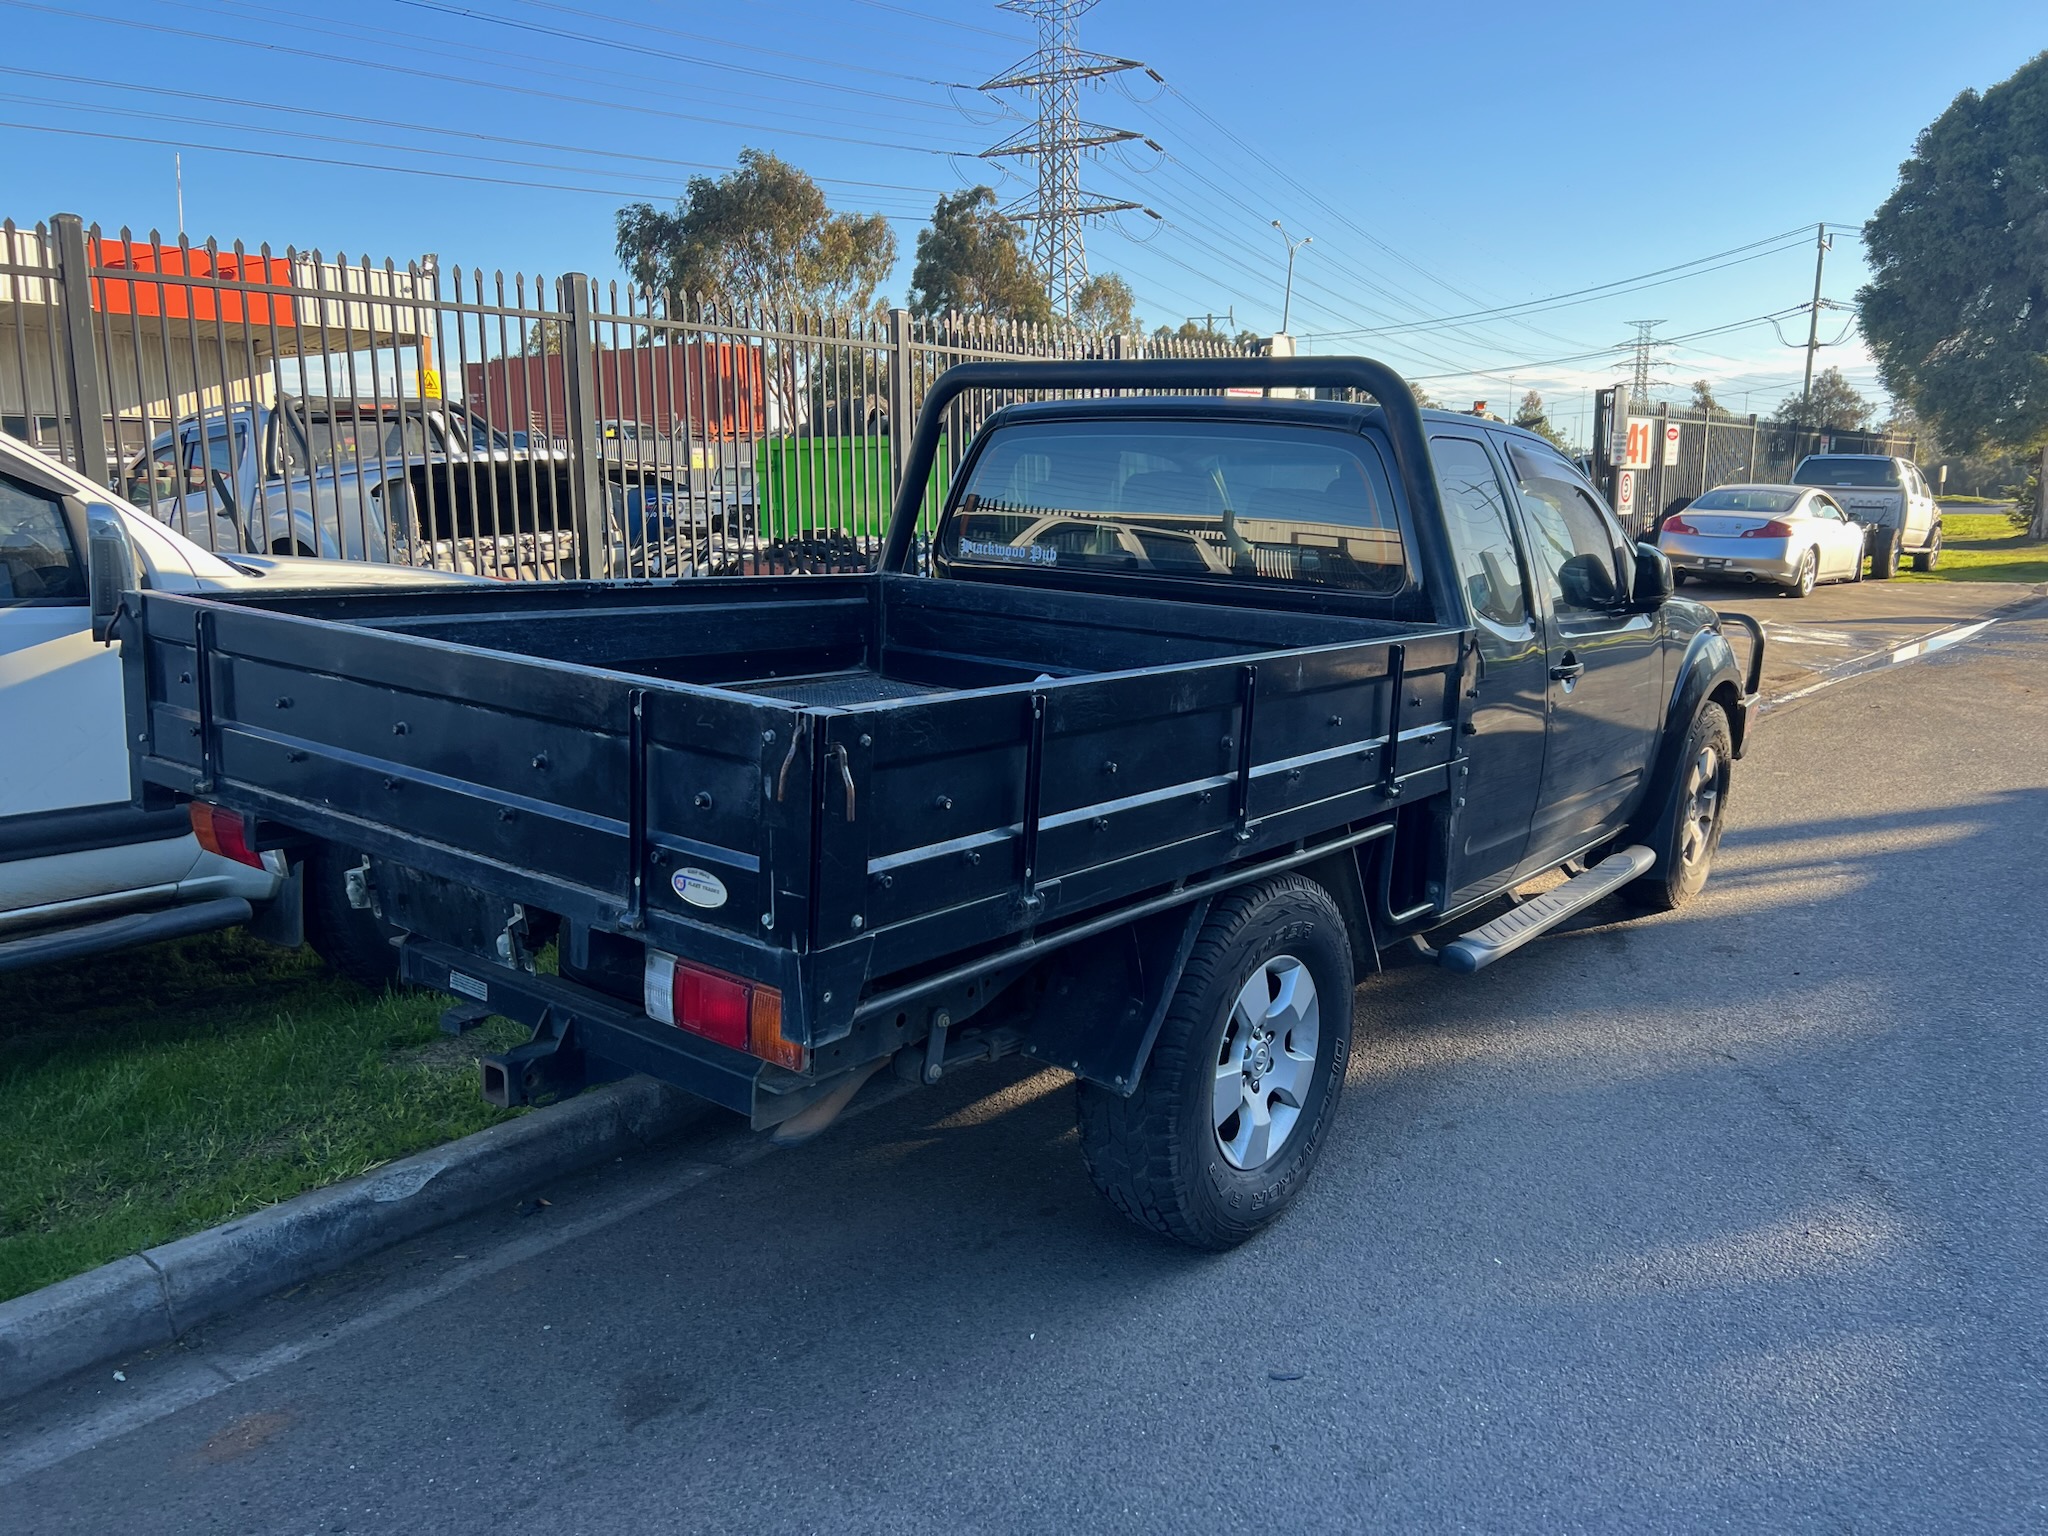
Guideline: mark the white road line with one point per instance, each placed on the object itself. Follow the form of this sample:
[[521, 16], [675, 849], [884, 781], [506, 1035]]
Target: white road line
[[1788, 634], [1911, 650]]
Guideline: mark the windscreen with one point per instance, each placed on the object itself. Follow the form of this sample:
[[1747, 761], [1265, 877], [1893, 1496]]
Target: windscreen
[[343, 439], [1847, 470], [1236, 500], [1746, 501]]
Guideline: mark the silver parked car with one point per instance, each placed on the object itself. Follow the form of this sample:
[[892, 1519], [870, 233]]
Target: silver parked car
[[1788, 535]]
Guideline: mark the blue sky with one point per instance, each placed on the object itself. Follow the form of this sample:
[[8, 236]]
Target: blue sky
[[1445, 160]]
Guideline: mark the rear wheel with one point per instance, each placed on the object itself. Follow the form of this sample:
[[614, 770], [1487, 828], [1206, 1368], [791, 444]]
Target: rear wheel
[[1884, 554], [1929, 557], [1808, 574], [1688, 832], [353, 940], [1679, 578], [1228, 1120]]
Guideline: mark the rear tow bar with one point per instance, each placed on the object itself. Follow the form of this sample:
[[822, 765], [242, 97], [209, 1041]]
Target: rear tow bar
[[1511, 930]]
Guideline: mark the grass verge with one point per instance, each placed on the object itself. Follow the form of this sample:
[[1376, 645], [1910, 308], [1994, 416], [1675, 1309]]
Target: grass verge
[[1983, 546], [155, 1093]]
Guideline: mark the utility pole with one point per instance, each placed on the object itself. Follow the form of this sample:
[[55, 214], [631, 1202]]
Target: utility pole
[[1287, 303], [1228, 317], [1057, 141], [1821, 245]]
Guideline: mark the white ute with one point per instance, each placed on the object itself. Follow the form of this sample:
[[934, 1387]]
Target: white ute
[[82, 868]]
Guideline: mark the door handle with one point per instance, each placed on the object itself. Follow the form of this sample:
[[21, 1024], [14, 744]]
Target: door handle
[[1571, 669]]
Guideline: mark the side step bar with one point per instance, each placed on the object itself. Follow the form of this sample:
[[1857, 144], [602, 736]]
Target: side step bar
[[1511, 930]]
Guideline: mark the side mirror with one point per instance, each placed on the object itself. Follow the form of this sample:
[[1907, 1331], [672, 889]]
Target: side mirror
[[110, 570], [1585, 581], [1654, 584]]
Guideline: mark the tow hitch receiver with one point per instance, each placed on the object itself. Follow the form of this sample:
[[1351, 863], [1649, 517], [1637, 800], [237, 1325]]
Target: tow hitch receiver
[[547, 1067]]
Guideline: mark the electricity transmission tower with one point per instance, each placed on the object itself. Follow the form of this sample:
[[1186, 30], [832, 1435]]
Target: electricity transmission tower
[[1058, 141], [1645, 359]]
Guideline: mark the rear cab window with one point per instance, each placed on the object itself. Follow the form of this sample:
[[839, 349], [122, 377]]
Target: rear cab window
[[1476, 513], [1847, 469], [1280, 504]]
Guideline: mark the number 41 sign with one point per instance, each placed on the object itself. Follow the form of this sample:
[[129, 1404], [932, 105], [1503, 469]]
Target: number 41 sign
[[1642, 442]]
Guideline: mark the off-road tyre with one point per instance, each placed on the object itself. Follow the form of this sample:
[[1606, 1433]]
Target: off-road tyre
[[354, 941], [1157, 1155], [1929, 557], [1884, 555], [1685, 850]]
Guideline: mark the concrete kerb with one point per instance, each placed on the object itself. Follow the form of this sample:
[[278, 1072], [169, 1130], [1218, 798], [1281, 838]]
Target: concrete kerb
[[152, 1298]]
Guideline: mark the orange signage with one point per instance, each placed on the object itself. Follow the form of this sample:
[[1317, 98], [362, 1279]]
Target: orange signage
[[180, 283]]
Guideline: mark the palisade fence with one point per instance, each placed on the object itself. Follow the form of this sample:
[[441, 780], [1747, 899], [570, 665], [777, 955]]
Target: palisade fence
[[1726, 449], [437, 415]]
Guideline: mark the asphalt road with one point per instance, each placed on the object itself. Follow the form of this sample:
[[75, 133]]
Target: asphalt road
[[1843, 623], [1731, 1220]]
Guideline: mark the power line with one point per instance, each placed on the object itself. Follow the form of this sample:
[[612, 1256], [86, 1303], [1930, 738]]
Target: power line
[[1331, 257], [944, 21], [1333, 211], [551, 68], [586, 13], [394, 124], [668, 55], [354, 165], [447, 78], [1614, 289], [1601, 352]]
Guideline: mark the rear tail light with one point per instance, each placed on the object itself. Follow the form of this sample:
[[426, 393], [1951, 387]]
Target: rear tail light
[[1771, 530], [225, 833], [1679, 525], [745, 1015]]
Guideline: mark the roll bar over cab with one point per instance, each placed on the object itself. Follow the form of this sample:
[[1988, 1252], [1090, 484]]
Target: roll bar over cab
[[1204, 704]]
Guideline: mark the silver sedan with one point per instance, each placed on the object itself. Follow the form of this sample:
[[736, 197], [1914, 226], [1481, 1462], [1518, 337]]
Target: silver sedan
[[1787, 535]]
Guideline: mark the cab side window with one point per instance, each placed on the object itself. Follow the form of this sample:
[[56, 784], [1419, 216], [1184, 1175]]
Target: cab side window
[[39, 567], [1577, 547], [1476, 509]]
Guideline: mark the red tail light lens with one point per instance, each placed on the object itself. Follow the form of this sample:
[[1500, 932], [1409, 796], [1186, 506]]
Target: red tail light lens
[[712, 1005], [745, 1015], [1771, 530], [224, 833], [1679, 525]]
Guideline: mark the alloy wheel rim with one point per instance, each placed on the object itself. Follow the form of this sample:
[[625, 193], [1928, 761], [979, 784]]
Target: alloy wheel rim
[[1702, 805], [1809, 568], [1266, 1063]]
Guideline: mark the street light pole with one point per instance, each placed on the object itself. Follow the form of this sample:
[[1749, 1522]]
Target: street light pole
[[1287, 303]]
